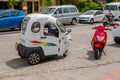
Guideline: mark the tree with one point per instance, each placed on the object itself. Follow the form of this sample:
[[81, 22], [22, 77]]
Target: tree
[[48, 2], [108, 1], [12, 3]]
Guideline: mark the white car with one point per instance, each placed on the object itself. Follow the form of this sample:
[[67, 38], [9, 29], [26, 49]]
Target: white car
[[91, 16], [116, 32]]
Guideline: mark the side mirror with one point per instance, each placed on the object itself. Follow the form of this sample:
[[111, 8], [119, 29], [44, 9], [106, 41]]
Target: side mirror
[[57, 12], [68, 31]]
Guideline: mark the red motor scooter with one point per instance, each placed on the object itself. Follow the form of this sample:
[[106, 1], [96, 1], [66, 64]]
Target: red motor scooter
[[99, 40]]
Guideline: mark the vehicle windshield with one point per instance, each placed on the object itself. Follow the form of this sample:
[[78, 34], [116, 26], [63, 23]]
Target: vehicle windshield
[[62, 28], [89, 13], [48, 11], [111, 7], [24, 23]]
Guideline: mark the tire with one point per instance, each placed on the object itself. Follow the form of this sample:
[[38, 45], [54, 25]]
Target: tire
[[92, 21], [65, 54], [21, 55], [33, 58], [117, 40], [104, 23], [97, 53], [74, 22], [13, 29], [20, 26]]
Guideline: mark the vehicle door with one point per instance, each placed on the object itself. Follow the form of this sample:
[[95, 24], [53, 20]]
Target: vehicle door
[[4, 20], [14, 18], [98, 16], [59, 15], [66, 15], [63, 38], [50, 39]]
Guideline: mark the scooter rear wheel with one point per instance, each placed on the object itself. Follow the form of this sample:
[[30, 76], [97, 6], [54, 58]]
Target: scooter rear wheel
[[97, 53]]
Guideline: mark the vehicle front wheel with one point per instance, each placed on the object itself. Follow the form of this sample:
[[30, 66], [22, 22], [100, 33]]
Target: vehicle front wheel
[[34, 58], [74, 21], [65, 54], [117, 40], [92, 21], [97, 53]]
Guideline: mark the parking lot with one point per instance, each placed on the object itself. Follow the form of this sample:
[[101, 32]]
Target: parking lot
[[79, 61]]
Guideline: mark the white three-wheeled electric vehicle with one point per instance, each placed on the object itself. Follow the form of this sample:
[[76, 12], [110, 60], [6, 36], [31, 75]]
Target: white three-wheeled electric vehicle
[[42, 36]]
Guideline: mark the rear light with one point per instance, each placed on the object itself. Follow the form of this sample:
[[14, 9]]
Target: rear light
[[116, 25]]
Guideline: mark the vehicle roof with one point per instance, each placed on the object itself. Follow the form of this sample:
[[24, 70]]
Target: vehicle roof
[[61, 6], [41, 16], [114, 3], [8, 10], [94, 10]]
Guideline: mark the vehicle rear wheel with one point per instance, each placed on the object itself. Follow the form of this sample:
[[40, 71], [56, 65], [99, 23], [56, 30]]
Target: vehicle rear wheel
[[117, 40], [74, 21], [34, 58], [21, 55], [65, 54], [92, 21], [97, 53], [104, 23]]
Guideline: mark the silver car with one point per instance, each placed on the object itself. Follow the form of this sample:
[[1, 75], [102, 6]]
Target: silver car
[[91, 16], [64, 13]]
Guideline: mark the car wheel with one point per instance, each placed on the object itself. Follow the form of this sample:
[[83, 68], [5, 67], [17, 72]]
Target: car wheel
[[65, 54], [116, 40], [20, 26], [92, 21], [34, 58], [21, 55], [74, 21]]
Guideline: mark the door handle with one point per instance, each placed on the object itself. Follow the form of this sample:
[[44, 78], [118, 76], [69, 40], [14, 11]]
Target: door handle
[[43, 37]]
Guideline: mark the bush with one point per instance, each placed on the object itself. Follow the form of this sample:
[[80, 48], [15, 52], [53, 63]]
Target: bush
[[91, 6]]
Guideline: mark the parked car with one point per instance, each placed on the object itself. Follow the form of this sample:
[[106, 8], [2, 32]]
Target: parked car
[[91, 16], [116, 32], [64, 13], [11, 18]]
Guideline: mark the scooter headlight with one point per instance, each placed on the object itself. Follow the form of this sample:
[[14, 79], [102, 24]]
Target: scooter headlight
[[100, 38]]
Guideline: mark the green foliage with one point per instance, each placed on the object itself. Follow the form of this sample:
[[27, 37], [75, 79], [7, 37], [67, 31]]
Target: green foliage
[[48, 2], [91, 6], [108, 1], [12, 2], [85, 9]]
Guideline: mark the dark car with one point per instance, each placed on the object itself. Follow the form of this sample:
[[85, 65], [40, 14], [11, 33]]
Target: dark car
[[11, 18]]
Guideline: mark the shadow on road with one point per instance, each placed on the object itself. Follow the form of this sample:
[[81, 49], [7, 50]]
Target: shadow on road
[[18, 63], [114, 45], [90, 56], [9, 31]]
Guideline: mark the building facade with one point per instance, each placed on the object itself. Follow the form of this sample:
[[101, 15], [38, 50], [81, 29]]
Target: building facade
[[28, 6]]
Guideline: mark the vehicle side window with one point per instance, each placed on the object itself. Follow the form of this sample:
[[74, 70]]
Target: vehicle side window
[[58, 11], [51, 30], [66, 10], [14, 13], [98, 13], [73, 9], [4, 15]]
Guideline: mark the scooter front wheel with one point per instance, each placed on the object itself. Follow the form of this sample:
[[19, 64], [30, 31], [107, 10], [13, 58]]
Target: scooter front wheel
[[97, 53]]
